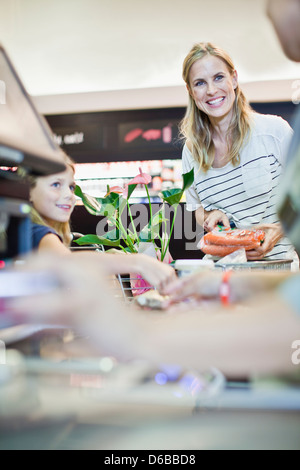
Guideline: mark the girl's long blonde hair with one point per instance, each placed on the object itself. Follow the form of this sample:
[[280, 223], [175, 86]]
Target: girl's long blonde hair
[[196, 127], [63, 229]]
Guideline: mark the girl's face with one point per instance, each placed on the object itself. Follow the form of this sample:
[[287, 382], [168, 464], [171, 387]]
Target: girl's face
[[53, 196], [212, 87]]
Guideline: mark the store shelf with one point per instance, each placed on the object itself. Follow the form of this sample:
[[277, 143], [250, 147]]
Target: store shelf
[[94, 178]]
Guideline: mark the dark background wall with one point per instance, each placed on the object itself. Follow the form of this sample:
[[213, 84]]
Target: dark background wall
[[99, 136]]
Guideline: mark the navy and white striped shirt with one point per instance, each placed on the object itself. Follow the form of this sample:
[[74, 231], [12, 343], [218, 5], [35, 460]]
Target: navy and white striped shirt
[[246, 193]]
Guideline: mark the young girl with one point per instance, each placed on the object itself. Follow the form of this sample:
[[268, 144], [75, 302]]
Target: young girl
[[53, 201]]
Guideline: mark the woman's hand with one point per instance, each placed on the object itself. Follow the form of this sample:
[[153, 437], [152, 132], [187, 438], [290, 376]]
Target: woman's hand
[[198, 286], [206, 286], [158, 274], [274, 233], [214, 218]]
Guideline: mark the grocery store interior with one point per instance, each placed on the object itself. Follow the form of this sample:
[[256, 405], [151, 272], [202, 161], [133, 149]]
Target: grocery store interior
[[106, 76], [101, 70]]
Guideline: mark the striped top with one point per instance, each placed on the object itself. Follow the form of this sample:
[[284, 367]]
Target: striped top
[[246, 193]]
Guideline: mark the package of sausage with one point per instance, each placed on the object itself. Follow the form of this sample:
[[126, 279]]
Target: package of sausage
[[222, 242]]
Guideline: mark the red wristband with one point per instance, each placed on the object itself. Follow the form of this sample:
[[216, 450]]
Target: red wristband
[[225, 288]]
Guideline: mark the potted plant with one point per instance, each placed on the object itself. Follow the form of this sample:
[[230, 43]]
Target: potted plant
[[116, 202]]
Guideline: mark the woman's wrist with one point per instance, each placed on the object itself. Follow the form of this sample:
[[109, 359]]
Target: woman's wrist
[[225, 289], [280, 232]]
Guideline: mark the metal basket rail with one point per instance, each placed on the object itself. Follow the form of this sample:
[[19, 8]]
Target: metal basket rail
[[128, 290], [121, 283], [277, 265]]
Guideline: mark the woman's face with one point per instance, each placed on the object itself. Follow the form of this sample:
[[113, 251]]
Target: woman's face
[[53, 196], [212, 87]]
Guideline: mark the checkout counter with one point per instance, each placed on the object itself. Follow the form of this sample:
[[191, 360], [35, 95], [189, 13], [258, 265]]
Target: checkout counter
[[98, 404]]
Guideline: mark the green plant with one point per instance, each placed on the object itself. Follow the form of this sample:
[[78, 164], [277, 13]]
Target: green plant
[[116, 201]]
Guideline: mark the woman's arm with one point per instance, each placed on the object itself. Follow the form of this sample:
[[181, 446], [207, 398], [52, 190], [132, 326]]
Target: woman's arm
[[158, 274], [243, 285], [246, 341]]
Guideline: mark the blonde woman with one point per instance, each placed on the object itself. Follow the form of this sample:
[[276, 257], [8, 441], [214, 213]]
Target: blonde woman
[[53, 201], [237, 154]]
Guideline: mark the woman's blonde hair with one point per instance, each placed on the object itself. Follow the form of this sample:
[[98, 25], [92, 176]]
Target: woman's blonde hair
[[196, 127], [63, 229]]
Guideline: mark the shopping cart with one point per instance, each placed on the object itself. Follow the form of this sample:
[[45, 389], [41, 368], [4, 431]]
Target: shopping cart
[[125, 286], [277, 265], [132, 286]]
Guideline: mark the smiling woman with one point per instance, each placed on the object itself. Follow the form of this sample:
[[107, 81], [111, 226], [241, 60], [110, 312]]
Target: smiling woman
[[237, 154]]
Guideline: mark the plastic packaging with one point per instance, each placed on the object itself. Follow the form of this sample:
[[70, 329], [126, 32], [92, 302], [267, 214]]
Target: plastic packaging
[[221, 242], [185, 267]]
